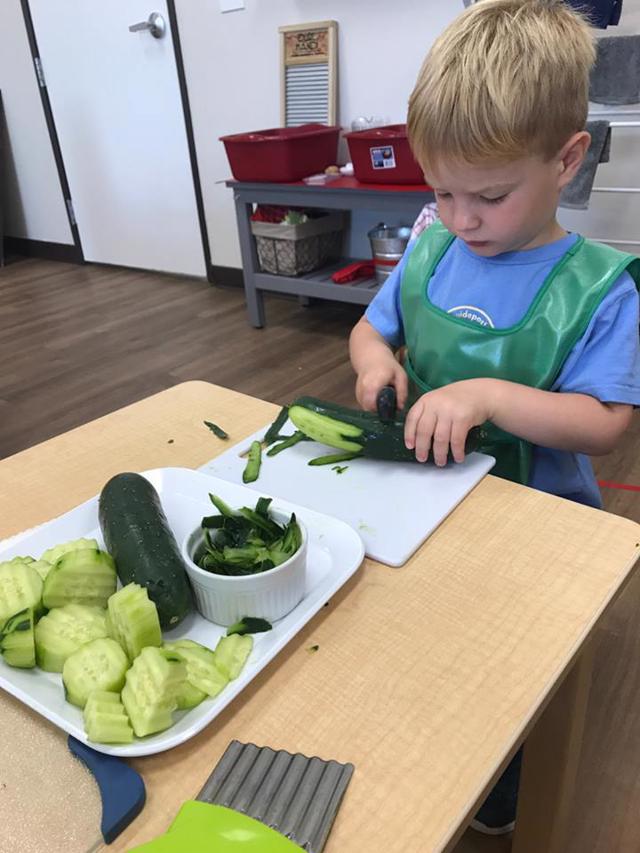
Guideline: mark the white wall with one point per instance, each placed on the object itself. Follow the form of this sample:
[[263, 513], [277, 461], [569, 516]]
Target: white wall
[[232, 64], [232, 68], [32, 197]]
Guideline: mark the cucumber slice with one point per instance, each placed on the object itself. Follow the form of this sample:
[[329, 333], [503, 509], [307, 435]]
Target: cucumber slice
[[151, 689], [105, 720], [98, 665], [63, 630], [202, 670], [133, 619], [156, 676], [20, 588], [87, 576], [232, 653], [189, 696], [52, 555], [42, 567], [17, 642], [147, 719]]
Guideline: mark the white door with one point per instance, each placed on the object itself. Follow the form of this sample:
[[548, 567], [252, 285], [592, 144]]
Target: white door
[[118, 111]]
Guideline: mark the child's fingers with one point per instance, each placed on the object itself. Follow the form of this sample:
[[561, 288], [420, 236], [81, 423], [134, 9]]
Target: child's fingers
[[410, 425], [441, 441], [366, 392], [424, 434], [459, 432]]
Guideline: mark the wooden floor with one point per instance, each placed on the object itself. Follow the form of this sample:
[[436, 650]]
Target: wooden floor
[[77, 342]]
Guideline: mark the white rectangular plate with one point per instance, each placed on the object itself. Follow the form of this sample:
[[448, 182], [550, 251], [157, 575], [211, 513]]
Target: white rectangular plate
[[394, 506], [335, 553]]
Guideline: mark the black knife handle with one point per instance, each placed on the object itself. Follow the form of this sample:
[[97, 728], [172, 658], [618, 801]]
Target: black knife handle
[[386, 402]]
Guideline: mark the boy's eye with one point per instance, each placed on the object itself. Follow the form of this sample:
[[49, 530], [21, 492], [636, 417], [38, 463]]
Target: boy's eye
[[496, 200]]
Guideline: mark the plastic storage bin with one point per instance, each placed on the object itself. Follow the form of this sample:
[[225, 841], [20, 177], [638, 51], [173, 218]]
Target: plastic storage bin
[[282, 154], [382, 156], [297, 249]]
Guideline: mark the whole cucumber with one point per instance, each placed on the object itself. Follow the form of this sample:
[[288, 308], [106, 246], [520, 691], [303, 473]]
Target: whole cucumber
[[139, 539]]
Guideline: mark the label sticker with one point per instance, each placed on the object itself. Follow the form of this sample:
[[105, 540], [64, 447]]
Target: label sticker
[[383, 158]]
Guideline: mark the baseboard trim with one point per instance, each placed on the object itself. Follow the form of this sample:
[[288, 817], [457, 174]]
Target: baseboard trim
[[226, 276], [42, 249]]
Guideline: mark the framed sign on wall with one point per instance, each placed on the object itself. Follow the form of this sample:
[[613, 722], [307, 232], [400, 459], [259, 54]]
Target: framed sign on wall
[[309, 73]]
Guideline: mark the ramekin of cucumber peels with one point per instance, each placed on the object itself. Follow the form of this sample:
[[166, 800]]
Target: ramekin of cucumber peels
[[249, 560]]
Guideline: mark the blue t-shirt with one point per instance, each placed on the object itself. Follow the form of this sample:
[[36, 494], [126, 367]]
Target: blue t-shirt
[[497, 292]]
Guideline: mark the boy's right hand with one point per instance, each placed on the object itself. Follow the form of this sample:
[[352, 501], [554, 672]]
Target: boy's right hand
[[372, 379]]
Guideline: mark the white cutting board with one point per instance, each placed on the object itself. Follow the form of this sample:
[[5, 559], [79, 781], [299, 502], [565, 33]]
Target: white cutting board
[[394, 506]]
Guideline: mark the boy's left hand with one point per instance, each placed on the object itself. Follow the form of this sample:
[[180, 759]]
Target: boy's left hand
[[442, 418]]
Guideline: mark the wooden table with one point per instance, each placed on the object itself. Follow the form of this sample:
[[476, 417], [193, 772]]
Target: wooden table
[[427, 678]]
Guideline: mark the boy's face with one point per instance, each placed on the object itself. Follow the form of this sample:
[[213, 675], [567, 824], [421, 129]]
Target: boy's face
[[499, 208]]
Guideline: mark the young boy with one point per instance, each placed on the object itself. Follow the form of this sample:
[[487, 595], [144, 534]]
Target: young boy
[[508, 320]]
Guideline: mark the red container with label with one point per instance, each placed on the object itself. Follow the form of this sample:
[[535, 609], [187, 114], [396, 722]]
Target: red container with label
[[382, 156], [282, 154]]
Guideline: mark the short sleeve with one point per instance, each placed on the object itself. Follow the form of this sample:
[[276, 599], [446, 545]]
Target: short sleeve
[[605, 363]]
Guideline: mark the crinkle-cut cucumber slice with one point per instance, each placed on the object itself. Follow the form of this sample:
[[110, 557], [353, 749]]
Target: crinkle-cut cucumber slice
[[152, 686], [147, 719], [42, 567], [17, 641], [156, 675], [189, 695], [105, 719], [52, 555], [20, 588], [202, 669], [64, 630], [133, 619], [87, 576], [98, 665], [232, 653]]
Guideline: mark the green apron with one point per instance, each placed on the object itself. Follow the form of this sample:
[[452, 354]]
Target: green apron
[[442, 348]]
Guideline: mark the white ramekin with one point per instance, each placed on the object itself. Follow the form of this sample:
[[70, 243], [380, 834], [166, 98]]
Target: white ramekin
[[224, 599]]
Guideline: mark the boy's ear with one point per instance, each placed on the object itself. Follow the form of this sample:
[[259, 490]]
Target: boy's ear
[[571, 156]]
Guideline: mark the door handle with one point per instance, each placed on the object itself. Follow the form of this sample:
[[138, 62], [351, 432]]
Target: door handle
[[155, 24]]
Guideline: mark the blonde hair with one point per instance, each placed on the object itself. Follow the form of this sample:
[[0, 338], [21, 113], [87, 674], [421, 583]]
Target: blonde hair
[[507, 78]]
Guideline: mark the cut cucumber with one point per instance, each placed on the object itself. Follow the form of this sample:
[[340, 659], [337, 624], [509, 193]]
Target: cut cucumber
[[189, 696], [105, 719], [146, 719], [151, 690], [42, 567], [87, 576], [133, 619], [63, 630], [98, 665], [52, 555], [202, 670], [20, 588], [232, 653], [17, 642]]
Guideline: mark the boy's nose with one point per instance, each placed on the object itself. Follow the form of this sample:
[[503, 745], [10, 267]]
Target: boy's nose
[[464, 220]]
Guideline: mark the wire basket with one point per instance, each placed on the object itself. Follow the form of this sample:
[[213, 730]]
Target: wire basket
[[297, 249]]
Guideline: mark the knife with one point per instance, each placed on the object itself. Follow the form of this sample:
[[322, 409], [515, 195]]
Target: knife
[[386, 403]]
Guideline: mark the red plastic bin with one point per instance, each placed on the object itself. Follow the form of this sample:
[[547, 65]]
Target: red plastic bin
[[282, 154], [382, 156]]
